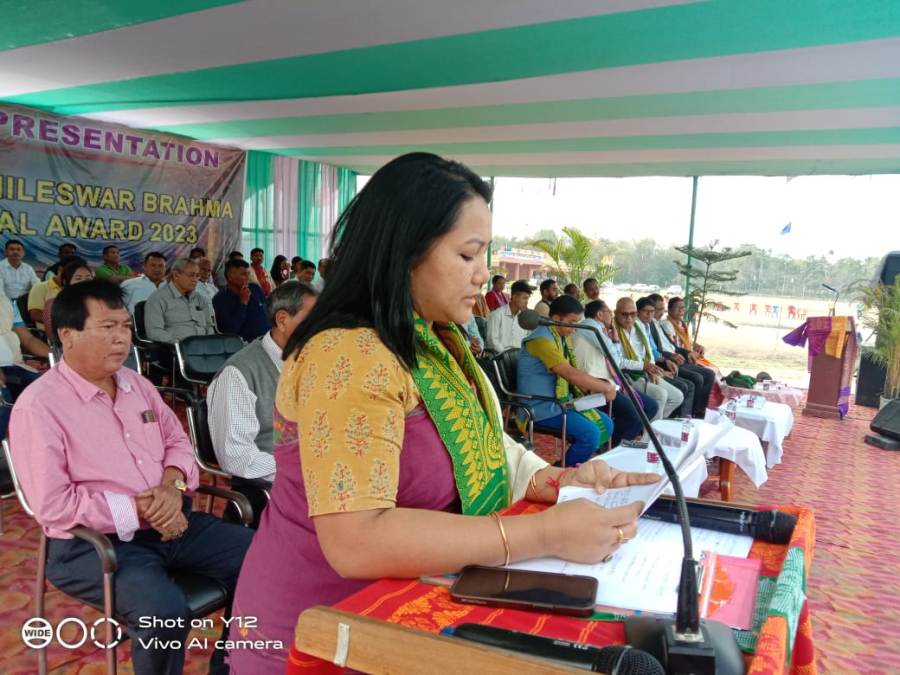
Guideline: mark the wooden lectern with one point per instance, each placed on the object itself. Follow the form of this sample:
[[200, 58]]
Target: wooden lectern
[[374, 646], [831, 368]]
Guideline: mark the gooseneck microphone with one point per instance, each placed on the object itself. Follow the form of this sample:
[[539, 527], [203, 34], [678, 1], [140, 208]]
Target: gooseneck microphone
[[614, 660], [773, 526], [686, 645]]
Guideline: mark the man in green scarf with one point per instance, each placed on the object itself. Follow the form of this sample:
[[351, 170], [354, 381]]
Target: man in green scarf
[[638, 359]]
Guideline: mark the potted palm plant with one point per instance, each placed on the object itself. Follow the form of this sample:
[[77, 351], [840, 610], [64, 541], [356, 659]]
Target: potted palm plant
[[882, 303]]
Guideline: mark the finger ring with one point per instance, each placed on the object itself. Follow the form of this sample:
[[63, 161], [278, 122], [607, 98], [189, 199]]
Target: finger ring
[[607, 558], [621, 535]]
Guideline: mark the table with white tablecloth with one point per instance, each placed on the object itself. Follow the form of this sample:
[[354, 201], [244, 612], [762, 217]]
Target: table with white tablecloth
[[775, 393], [737, 445], [771, 423]]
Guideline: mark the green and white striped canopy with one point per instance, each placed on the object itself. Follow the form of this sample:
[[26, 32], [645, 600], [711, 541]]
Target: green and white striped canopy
[[512, 87]]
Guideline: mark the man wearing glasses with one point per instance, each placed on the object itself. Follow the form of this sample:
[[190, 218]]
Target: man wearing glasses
[[177, 310], [637, 360]]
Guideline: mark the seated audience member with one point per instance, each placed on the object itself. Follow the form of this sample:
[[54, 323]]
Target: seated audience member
[[703, 378], [481, 308], [176, 310], [74, 272], [678, 331], [503, 331], [220, 278], [591, 289], [648, 392], [496, 297], [18, 276], [637, 360], [304, 271], [572, 290], [140, 288], [42, 292], [15, 375], [241, 306], [367, 442], [476, 340], [549, 292], [95, 445], [590, 358], [197, 253], [242, 395], [258, 274], [669, 367], [322, 269], [280, 270], [64, 253], [205, 284], [547, 367], [113, 269]]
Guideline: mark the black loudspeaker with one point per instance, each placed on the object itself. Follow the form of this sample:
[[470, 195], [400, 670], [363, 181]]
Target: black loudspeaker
[[887, 421], [889, 268], [869, 380]]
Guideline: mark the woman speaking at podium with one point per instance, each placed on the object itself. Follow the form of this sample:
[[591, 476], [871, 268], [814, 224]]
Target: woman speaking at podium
[[390, 452]]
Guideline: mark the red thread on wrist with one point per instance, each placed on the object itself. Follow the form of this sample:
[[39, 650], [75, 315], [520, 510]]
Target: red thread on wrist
[[557, 482]]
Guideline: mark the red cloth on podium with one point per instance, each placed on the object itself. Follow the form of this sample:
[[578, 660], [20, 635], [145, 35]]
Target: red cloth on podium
[[415, 604]]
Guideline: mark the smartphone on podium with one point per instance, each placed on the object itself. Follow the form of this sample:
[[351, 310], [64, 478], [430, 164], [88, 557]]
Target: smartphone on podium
[[522, 589]]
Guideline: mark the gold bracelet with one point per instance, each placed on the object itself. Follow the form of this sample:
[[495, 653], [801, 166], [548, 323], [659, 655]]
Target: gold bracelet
[[534, 487], [503, 535]]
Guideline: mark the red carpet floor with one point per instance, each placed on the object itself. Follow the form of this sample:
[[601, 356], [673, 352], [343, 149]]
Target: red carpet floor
[[853, 591]]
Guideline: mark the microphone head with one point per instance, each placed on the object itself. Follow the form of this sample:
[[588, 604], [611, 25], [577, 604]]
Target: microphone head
[[624, 660], [774, 526], [529, 319]]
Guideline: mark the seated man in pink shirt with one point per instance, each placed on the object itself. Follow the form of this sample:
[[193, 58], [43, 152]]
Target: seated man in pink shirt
[[95, 445]]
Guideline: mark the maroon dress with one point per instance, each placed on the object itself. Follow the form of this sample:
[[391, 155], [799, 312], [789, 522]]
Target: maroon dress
[[285, 571]]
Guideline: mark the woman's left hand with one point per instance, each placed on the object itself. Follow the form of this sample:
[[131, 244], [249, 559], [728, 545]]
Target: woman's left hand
[[601, 476]]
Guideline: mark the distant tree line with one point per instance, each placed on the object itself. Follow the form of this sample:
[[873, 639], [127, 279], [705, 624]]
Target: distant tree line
[[762, 273]]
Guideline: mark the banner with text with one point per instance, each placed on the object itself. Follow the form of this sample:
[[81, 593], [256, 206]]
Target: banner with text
[[70, 179]]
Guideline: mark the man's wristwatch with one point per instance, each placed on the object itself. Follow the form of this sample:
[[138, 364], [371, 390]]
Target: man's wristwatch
[[179, 485]]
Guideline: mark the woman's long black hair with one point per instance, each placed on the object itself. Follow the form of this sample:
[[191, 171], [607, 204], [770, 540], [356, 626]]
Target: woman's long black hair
[[379, 238], [275, 271]]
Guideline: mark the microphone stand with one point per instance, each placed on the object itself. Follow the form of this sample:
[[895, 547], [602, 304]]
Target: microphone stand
[[688, 645], [834, 300]]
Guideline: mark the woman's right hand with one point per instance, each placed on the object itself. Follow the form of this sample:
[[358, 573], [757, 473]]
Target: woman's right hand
[[584, 532]]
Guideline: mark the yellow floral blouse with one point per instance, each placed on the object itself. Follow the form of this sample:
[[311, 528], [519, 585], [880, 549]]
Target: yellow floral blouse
[[348, 395]]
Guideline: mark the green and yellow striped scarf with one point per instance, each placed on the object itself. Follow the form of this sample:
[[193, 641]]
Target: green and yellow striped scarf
[[466, 419]]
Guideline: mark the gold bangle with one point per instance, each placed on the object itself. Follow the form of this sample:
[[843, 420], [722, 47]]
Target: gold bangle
[[534, 487], [503, 536]]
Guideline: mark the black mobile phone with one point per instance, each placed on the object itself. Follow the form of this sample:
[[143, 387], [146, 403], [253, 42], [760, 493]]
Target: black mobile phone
[[522, 589]]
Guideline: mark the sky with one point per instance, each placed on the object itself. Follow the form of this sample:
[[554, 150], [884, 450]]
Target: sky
[[832, 216]]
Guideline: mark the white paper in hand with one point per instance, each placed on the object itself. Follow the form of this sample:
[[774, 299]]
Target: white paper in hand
[[615, 497], [590, 401]]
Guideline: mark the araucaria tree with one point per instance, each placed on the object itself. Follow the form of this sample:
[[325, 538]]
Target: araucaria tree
[[706, 282]]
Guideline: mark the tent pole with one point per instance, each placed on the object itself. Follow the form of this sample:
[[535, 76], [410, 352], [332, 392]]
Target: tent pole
[[687, 281], [491, 207]]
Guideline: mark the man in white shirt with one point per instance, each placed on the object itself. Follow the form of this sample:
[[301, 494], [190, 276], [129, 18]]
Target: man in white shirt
[[591, 289], [503, 331], [140, 288], [205, 285], [241, 397], [18, 276], [592, 360], [319, 282]]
